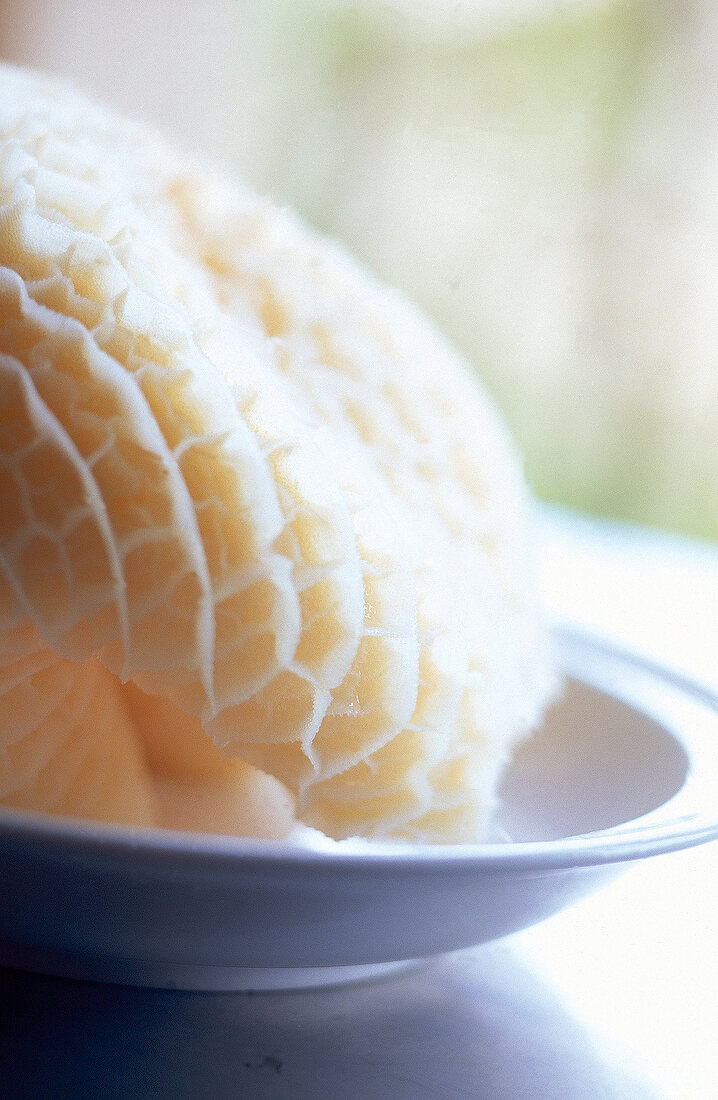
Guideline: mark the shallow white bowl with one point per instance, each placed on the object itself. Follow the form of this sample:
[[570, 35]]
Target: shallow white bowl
[[626, 767]]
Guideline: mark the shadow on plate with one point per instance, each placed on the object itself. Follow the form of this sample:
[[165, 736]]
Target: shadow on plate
[[595, 764]]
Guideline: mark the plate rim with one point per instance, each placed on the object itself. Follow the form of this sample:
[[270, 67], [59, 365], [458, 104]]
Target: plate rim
[[686, 819]]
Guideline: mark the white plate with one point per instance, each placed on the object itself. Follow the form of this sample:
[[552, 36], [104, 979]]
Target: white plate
[[626, 767]]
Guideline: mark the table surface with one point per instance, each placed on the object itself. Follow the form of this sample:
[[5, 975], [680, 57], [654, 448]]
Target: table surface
[[616, 998]]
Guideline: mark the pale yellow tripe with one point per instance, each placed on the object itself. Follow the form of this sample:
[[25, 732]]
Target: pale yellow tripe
[[246, 490]]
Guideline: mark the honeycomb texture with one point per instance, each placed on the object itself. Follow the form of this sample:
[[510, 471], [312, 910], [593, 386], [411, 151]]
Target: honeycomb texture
[[251, 500]]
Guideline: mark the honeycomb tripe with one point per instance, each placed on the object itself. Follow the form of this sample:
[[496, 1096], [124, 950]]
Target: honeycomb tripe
[[264, 541]]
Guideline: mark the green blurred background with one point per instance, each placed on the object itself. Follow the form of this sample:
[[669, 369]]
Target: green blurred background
[[540, 176]]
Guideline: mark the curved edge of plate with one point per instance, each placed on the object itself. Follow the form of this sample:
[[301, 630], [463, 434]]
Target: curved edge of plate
[[185, 911]]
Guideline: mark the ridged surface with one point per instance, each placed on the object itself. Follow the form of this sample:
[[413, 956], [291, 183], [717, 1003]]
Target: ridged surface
[[240, 476]]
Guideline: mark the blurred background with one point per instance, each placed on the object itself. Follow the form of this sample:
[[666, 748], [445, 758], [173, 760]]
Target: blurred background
[[541, 176]]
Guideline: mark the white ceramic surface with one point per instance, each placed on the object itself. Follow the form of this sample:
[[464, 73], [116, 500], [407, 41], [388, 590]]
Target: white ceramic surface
[[626, 767]]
